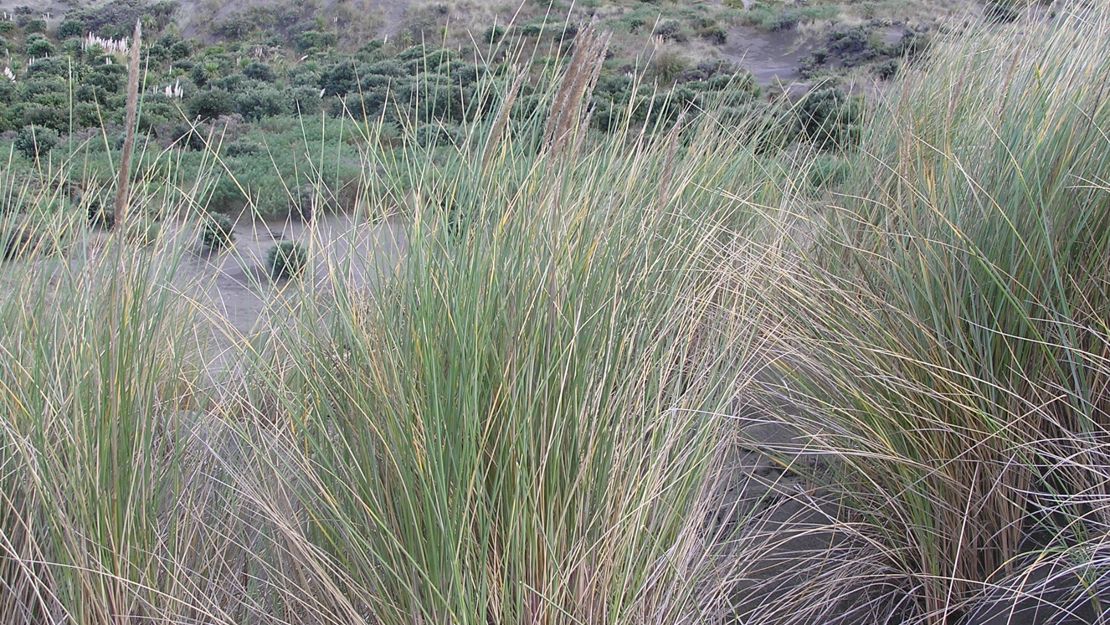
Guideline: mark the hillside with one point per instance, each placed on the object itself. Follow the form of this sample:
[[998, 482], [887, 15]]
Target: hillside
[[249, 82]]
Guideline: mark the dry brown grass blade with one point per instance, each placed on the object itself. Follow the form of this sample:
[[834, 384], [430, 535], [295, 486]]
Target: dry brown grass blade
[[132, 113], [502, 120], [567, 110], [668, 165]]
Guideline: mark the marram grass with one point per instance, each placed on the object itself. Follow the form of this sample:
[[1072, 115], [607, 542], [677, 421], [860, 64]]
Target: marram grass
[[525, 416]]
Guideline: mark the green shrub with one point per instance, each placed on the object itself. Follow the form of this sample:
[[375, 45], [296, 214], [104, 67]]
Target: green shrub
[[387, 67], [70, 28], [782, 21], [670, 30], [493, 34], [218, 232], [1002, 11], [199, 74], [258, 70], [306, 100], [34, 26], [99, 214], [256, 104], [667, 64], [714, 34], [210, 104], [34, 142], [888, 69], [242, 147], [53, 66], [438, 134], [779, 18], [831, 118], [286, 260], [38, 46], [313, 39]]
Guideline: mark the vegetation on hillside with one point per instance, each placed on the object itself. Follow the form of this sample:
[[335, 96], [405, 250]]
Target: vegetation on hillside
[[279, 116]]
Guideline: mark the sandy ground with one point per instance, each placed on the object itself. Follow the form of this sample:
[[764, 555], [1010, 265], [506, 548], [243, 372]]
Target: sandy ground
[[239, 302], [772, 58]]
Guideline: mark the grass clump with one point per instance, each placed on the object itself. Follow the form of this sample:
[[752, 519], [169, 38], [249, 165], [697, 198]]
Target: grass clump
[[949, 367]]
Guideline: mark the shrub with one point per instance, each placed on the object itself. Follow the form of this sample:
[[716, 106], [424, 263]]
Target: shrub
[[242, 147], [782, 20], [1002, 11], [15, 240], [340, 79], [851, 45], [55, 66], [210, 104], [569, 32], [314, 39], [715, 34], [218, 232], [912, 44], [667, 64], [99, 215], [306, 100], [493, 34], [888, 69], [34, 26], [830, 118], [670, 30], [366, 105], [37, 46], [259, 71], [438, 134], [256, 104], [199, 74], [70, 28], [34, 142], [185, 136], [107, 79], [286, 260]]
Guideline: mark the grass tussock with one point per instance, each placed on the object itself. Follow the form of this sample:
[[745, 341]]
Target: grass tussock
[[949, 358]]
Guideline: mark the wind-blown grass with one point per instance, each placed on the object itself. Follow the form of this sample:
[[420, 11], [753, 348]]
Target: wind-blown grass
[[518, 424], [525, 416], [950, 357]]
